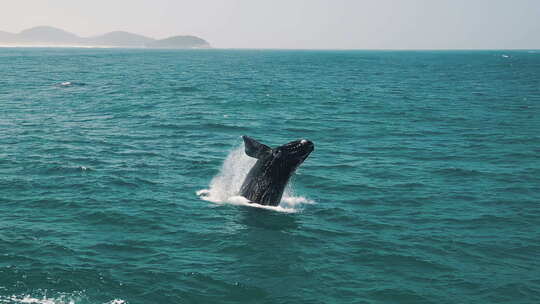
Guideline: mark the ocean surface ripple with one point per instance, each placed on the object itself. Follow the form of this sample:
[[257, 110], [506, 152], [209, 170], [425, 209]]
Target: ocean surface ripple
[[118, 169]]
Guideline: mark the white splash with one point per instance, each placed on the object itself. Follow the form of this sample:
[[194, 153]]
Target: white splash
[[225, 186]]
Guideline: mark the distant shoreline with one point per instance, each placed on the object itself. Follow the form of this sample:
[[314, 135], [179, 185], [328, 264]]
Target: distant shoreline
[[47, 36], [58, 46]]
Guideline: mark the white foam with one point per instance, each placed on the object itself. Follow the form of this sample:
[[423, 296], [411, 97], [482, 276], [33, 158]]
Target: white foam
[[62, 299], [225, 186], [29, 299], [116, 301]]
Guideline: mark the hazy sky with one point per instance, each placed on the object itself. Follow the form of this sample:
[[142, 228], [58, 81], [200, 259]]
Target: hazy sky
[[341, 24]]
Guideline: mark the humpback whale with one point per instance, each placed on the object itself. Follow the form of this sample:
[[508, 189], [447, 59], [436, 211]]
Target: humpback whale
[[265, 182]]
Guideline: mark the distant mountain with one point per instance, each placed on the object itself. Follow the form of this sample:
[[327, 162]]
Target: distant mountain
[[5, 36], [119, 38], [179, 42], [50, 36]]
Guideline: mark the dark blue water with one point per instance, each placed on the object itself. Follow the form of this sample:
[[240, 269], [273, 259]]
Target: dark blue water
[[424, 186]]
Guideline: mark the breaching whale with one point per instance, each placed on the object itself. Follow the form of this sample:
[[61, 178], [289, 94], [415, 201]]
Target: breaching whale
[[265, 182]]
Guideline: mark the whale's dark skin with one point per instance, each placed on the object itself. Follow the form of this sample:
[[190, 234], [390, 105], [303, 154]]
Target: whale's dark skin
[[265, 182]]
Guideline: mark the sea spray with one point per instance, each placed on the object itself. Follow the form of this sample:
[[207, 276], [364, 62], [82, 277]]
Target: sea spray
[[225, 186], [228, 181]]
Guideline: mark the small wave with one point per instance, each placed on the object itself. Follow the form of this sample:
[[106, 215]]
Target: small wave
[[222, 127], [186, 89], [225, 186], [65, 84], [118, 218], [30, 299], [459, 172], [68, 169], [116, 301], [61, 299]]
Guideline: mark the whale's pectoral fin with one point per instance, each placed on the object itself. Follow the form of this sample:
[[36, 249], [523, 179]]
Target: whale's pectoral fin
[[254, 148]]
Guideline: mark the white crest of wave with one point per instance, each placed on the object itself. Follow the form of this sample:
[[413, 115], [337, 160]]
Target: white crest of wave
[[116, 301], [30, 299], [62, 299], [225, 186]]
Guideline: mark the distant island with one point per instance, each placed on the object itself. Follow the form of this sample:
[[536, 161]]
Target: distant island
[[51, 36]]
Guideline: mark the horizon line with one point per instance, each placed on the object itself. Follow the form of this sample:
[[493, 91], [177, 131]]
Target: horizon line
[[269, 48]]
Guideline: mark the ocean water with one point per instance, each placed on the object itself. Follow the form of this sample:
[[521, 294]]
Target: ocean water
[[119, 171]]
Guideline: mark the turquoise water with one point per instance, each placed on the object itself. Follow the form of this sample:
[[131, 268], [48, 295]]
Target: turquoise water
[[118, 171]]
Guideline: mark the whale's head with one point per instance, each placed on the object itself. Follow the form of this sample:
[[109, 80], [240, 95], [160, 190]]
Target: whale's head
[[285, 158], [295, 151], [265, 182]]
